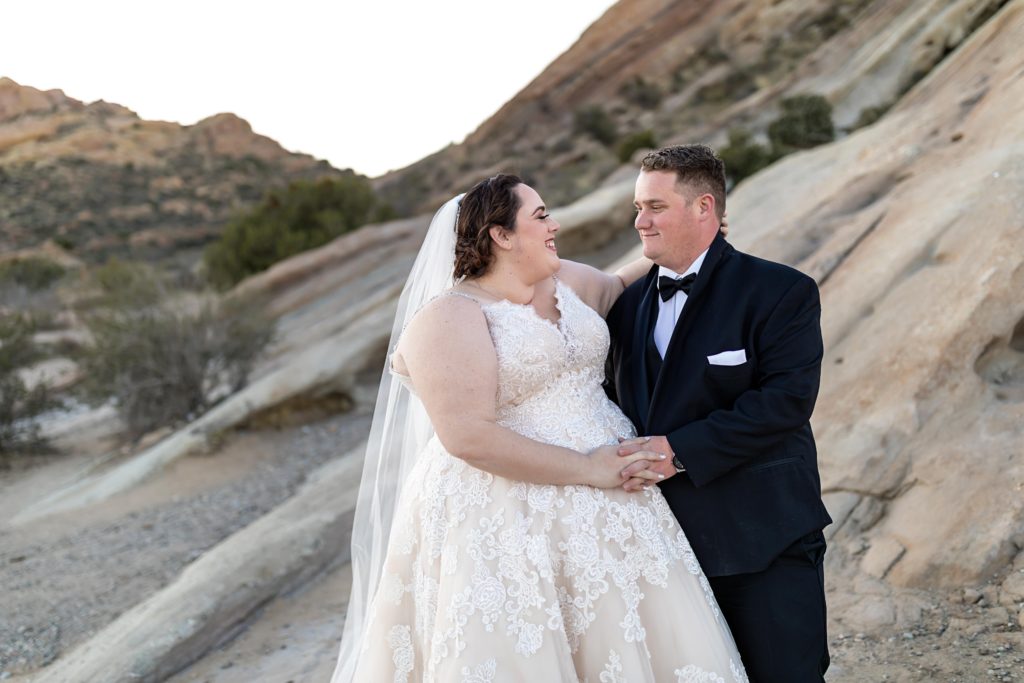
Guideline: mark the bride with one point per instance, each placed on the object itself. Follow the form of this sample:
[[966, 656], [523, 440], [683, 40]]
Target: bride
[[493, 540]]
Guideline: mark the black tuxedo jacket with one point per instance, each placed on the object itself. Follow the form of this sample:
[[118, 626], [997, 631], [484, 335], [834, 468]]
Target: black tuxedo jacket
[[751, 486]]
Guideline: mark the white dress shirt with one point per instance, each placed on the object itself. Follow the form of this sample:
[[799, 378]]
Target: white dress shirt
[[668, 311]]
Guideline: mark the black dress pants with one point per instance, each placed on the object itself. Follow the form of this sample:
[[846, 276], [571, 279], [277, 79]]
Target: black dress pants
[[777, 616]]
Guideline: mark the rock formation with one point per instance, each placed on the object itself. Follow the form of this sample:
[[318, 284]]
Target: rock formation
[[117, 184], [704, 67], [913, 229]]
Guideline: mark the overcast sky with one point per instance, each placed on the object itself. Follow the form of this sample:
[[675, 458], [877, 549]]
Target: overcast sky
[[370, 85]]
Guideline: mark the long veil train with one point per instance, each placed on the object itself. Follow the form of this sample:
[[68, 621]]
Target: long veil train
[[399, 431]]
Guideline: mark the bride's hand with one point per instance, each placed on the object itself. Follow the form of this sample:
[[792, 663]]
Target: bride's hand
[[724, 227], [607, 465]]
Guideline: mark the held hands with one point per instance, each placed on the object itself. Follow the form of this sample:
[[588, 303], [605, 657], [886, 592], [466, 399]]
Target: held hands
[[607, 463], [640, 473], [724, 227]]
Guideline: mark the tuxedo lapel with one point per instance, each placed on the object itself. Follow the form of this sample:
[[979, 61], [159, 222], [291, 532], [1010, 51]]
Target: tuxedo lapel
[[719, 249], [646, 313]]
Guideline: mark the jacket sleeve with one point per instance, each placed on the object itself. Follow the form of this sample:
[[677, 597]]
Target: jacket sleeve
[[788, 355], [614, 321]]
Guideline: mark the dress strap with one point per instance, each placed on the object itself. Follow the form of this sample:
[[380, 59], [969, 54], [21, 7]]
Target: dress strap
[[452, 292]]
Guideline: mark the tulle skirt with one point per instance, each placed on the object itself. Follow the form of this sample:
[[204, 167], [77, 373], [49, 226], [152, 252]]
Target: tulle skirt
[[489, 579]]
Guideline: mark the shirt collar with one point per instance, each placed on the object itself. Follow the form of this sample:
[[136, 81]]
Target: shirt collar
[[694, 267]]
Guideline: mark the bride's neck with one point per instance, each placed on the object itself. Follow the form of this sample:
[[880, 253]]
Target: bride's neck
[[503, 286]]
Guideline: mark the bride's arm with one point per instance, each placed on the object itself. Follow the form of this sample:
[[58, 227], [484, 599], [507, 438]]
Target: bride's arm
[[599, 289], [450, 357]]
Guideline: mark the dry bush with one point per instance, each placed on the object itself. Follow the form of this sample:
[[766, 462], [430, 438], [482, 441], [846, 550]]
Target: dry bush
[[163, 364]]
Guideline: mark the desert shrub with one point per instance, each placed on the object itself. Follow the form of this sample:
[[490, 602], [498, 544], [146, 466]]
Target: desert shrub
[[33, 273], [19, 405], [127, 283], [162, 365], [64, 242], [743, 156], [805, 122], [595, 122], [305, 215], [641, 92], [643, 139], [734, 86], [869, 115]]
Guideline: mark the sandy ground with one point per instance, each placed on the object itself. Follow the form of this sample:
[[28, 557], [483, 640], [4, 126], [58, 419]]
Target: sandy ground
[[65, 577]]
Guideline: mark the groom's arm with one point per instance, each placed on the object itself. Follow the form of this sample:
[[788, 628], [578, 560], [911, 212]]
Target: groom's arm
[[789, 370]]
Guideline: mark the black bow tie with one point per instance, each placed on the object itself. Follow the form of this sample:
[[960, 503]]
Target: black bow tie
[[668, 286]]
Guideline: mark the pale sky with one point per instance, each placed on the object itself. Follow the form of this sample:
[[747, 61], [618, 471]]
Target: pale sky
[[371, 85]]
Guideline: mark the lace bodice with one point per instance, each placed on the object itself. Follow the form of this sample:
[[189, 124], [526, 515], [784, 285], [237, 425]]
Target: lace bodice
[[550, 376]]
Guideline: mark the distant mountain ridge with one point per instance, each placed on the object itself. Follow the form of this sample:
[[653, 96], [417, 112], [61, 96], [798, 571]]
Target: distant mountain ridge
[[100, 180]]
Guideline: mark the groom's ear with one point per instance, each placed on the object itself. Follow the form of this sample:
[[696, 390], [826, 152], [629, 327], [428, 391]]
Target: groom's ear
[[706, 204], [501, 237]]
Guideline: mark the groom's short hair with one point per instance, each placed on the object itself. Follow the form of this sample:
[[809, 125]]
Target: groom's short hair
[[697, 167]]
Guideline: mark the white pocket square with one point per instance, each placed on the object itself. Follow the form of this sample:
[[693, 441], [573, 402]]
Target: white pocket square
[[729, 358]]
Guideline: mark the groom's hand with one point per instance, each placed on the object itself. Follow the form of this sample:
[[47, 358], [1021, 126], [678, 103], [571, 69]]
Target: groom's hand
[[657, 444]]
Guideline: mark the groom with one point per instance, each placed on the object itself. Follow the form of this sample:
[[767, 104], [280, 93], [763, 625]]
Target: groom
[[716, 355]]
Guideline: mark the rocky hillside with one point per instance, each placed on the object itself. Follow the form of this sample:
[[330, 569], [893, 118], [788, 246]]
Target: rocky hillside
[[99, 180], [690, 70], [912, 227]]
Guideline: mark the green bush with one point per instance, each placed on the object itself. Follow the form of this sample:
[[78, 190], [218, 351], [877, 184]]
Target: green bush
[[595, 122], [127, 284], [743, 156], [643, 139], [162, 365], [641, 92], [19, 406], [870, 115], [33, 273], [805, 122], [305, 215], [64, 242]]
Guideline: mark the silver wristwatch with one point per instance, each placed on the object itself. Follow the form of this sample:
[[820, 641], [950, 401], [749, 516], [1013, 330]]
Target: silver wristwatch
[[678, 464]]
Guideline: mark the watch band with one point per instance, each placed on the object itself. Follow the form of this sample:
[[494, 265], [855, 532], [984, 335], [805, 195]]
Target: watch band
[[678, 464]]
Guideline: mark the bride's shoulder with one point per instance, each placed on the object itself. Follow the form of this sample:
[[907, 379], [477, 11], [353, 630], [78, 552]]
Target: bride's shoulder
[[588, 282], [449, 323], [448, 311]]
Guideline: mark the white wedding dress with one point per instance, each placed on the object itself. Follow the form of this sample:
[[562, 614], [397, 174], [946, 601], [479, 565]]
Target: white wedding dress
[[489, 579]]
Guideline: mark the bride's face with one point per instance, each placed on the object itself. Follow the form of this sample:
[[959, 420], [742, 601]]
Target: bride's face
[[533, 241]]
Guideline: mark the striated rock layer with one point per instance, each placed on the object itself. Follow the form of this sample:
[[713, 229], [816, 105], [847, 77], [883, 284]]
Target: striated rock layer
[[704, 67]]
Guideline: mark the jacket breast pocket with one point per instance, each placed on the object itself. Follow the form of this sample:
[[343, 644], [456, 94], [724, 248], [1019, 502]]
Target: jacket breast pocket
[[727, 382]]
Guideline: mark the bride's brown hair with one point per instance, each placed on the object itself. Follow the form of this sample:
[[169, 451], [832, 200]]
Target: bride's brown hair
[[490, 202]]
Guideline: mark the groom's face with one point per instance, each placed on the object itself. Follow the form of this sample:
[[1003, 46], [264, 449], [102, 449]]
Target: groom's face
[[666, 220]]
